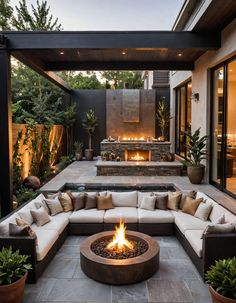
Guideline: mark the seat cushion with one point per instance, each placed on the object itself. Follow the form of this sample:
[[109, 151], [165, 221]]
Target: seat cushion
[[92, 215], [46, 239], [57, 223], [194, 239], [156, 216], [126, 214], [185, 222], [124, 199]]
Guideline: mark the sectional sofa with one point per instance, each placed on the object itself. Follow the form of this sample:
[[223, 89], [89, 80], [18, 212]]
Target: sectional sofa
[[202, 248]]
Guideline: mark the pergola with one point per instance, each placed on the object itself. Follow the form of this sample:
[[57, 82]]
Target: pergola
[[46, 52]]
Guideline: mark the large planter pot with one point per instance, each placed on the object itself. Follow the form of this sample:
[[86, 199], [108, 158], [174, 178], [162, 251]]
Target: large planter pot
[[78, 156], [196, 173], [88, 154], [13, 293], [217, 298]]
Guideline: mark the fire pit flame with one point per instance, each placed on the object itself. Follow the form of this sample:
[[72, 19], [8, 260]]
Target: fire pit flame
[[119, 241]]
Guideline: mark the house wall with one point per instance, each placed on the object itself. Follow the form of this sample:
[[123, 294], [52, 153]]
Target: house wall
[[201, 80]]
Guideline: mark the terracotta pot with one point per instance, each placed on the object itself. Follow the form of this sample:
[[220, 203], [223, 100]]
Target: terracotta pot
[[217, 298], [78, 156], [88, 154], [196, 173], [13, 293]]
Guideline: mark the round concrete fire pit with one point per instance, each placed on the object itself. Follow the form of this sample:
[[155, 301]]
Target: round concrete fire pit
[[115, 271]]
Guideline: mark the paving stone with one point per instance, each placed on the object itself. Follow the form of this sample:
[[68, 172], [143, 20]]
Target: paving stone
[[130, 293], [199, 291], [161, 291], [61, 268], [79, 290]]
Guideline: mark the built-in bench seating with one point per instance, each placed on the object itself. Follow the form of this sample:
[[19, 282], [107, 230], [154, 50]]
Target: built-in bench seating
[[202, 248]]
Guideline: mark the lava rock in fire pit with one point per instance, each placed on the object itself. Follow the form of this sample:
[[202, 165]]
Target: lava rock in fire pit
[[100, 248]]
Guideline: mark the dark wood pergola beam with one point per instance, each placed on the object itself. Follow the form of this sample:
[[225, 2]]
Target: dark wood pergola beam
[[98, 40], [39, 67], [119, 65]]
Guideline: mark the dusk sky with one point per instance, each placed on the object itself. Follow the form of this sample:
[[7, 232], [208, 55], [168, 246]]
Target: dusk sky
[[113, 14]]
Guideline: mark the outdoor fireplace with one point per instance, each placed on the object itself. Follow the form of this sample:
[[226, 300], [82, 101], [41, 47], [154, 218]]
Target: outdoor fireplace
[[137, 155], [120, 257]]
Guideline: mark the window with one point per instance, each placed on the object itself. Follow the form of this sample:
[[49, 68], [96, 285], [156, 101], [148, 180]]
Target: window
[[182, 118], [223, 127]]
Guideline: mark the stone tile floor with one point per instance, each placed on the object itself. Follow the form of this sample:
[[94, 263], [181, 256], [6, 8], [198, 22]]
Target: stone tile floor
[[63, 281]]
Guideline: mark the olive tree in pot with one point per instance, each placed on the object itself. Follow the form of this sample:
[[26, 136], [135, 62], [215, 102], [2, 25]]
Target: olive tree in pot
[[163, 117], [222, 280], [196, 145], [13, 273], [78, 147], [89, 123]]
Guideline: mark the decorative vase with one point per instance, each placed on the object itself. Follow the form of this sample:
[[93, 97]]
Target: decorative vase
[[13, 293], [217, 298], [78, 156], [88, 154], [196, 173]]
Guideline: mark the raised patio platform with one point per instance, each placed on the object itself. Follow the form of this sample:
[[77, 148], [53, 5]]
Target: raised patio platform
[[141, 168]]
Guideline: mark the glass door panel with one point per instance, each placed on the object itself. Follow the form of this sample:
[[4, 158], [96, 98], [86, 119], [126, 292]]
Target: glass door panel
[[230, 167], [217, 125], [189, 115], [177, 115], [182, 120]]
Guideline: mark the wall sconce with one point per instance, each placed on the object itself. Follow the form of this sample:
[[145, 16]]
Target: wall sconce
[[195, 97]]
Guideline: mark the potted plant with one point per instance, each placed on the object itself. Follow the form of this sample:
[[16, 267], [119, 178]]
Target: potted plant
[[163, 117], [222, 280], [89, 123], [13, 272], [78, 147], [196, 145]]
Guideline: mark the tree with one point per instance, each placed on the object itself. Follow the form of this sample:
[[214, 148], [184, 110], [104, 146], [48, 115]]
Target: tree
[[6, 12], [39, 19], [122, 79], [82, 80]]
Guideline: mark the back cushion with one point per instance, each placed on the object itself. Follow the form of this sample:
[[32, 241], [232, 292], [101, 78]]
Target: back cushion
[[141, 195], [121, 199]]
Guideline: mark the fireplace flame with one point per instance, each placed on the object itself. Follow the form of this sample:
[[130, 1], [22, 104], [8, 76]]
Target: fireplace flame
[[137, 157], [119, 241]]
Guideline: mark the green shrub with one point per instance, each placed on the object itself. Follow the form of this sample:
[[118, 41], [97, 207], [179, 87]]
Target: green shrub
[[222, 277], [13, 266]]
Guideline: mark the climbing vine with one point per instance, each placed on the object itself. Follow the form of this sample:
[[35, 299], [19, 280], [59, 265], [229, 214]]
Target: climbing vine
[[17, 162], [45, 170]]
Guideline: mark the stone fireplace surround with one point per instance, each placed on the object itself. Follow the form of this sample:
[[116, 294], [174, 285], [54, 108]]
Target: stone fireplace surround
[[121, 147]]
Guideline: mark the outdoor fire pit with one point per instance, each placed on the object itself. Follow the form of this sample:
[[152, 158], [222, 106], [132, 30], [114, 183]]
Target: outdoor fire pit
[[120, 257]]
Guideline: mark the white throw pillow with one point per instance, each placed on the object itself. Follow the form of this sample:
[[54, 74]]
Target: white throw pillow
[[219, 228], [203, 211], [148, 203], [124, 199], [219, 220], [25, 215], [40, 216]]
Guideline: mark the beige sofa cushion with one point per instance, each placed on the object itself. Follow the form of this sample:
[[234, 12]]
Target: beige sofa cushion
[[4, 226], [46, 239], [124, 199], [25, 215], [174, 199], [104, 202], [148, 203], [219, 228], [126, 214], [142, 194], [92, 215], [194, 238], [57, 223], [156, 216], [203, 211], [185, 222], [190, 205]]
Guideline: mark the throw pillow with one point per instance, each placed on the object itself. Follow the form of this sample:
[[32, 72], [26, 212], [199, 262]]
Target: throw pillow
[[4, 229], [161, 202], [191, 205], [104, 202], [219, 228], [219, 220], [148, 203], [54, 206], [53, 195], [43, 204], [203, 211], [187, 193], [78, 201], [15, 230], [22, 223], [90, 201], [40, 216], [66, 201], [26, 216], [174, 200]]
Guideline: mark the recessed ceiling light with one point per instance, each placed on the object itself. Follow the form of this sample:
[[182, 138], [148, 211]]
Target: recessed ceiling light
[[179, 54], [62, 53], [124, 53]]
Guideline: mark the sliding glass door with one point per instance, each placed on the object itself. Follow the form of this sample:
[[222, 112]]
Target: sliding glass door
[[223, 121]]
